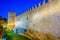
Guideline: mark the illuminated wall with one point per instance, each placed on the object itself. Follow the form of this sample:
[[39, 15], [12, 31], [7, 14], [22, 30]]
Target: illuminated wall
[[11, 19]]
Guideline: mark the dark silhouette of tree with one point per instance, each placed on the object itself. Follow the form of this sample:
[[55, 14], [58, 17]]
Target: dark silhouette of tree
[[2, 30]]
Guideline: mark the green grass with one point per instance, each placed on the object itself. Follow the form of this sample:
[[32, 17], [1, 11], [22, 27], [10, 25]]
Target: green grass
[[18, 37]]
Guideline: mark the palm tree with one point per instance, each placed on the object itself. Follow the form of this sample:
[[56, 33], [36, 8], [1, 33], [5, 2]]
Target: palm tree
[[35, 35]]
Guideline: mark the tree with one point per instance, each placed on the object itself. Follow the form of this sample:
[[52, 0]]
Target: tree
[[3, 21]]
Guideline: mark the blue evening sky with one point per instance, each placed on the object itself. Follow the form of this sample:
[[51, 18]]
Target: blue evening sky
[[17, 6]]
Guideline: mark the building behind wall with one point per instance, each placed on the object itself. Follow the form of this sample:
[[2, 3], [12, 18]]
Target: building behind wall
[[11, 19]]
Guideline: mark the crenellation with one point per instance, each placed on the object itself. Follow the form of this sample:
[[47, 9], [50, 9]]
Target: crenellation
[[41, 17]]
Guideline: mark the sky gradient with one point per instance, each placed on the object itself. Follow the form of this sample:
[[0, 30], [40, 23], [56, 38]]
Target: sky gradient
[[18, 6]]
